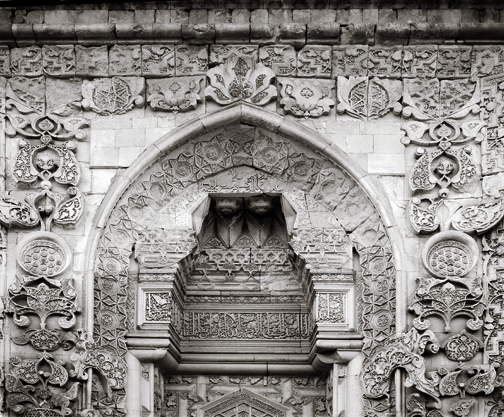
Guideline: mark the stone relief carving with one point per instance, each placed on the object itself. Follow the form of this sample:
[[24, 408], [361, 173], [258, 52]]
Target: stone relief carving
[[246, 325], [241, 78], [27, 61], [385, 62], [368, 99], [58, 60], [175, 94], [448, 167], [115, 95], [454, 61], [280, 58], [306, 98], [314, 61], [400, 352], [158, 60], [350, 61], [215, 157], [449, 256]]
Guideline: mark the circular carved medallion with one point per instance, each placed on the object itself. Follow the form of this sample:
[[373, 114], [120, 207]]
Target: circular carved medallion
[[43, 254], [450, 254], [450, 258]]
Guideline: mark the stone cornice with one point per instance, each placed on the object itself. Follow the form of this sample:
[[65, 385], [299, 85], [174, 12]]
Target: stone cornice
[[297, 27], [295, 34]]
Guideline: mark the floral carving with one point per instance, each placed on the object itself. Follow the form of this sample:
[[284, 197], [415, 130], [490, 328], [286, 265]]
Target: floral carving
[[306, 98], [447, 166], [401, 352], [240, 78], [39, 397], [175, 94], [462, 347], [479, 218]]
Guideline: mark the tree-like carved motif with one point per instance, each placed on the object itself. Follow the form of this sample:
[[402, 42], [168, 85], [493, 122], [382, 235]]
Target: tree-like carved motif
[[241, 78]]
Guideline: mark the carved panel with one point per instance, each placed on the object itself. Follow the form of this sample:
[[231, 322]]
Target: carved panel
[[350, 61], [191, 60], [219, 54], [385, 62], [175, 94], [59, 61], [420, 61], [245, 325], [125, 60], [487, 60], [307, 98], [454, 61], [26, 61], [281, 59], [314, 61], [240, 78], [158, 60], [91, 61], [115, 95], [368, 99], [28, 91]]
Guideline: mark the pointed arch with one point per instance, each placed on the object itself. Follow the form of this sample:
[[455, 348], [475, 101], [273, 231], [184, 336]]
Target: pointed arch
[[378, 242]]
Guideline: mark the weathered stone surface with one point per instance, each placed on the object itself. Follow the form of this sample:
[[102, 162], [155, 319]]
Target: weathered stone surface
[[59, 60], [26, 61], [220, 53], [30, 91], [314, 61], [419, 61], [191, 60], [5, 69], [91, 61], [175, 94], [454, 61], [125, 60], [63, 96], [350, 61], [158, 60], [385, 62], [280, 58]]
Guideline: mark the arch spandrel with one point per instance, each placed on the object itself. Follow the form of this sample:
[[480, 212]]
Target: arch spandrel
[[324, 188]]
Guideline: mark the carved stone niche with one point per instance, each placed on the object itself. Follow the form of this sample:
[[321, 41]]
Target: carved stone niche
[[239, 270]]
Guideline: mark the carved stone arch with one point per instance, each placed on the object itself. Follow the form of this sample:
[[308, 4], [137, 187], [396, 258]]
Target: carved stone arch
[[333, 181]]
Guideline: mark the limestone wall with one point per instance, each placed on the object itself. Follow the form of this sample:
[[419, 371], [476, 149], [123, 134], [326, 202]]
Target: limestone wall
[[411, 93]]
